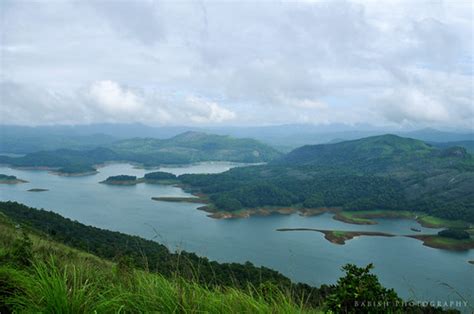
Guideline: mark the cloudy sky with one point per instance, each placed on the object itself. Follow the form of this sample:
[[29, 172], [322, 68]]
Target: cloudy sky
[[406, 64]]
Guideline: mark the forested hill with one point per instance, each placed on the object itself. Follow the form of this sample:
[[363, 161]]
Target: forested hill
[[377, 153], [381, 172], [187, 147], [198, 146]]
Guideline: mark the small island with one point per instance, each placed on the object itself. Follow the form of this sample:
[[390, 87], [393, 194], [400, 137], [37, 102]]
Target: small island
[[121, 180], [75, 171], [338, 236], [157, 177], [196, 200], [37, 190], [6, 179], [160, 177]]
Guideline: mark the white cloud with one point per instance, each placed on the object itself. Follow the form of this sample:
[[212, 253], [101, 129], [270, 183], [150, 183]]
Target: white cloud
[[204, 111], [390, 62], [111, 97]]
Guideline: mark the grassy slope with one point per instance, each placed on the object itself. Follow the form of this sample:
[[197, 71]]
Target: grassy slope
[[65, 280]]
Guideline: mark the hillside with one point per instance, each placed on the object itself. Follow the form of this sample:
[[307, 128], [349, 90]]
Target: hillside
[[198, 146], [381, 172], [49, 264], [184, 148], [38, 273]]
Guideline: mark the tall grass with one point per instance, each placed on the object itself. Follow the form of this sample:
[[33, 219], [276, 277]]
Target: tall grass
[[63, 280]]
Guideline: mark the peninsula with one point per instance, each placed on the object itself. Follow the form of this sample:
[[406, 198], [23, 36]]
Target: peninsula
[[7, 179]]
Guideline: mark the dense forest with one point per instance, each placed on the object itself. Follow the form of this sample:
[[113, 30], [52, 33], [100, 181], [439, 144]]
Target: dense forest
[[382, 172]]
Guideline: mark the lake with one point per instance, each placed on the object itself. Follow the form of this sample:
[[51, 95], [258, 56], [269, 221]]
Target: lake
[[413, 270]]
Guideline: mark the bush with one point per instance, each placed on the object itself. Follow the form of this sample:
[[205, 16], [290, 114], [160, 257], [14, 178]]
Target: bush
[[159, 175], [454, 234], [360, 292]]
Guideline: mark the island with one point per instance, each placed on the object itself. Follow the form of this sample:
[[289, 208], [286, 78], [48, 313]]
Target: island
[[157, 177], [37, 190], [338, 236], [160, 177], [121, 180], [7, 179], [449, 239], [75, 171], [180, 199]]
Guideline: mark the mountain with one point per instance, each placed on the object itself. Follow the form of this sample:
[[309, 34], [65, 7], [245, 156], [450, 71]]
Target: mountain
[[468, 145], [187, 147], [199, 146], [380, 172], [22, 139], [433, 135], [368, 152]]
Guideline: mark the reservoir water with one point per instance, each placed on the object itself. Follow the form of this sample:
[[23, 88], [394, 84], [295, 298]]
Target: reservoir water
[[416, 272]]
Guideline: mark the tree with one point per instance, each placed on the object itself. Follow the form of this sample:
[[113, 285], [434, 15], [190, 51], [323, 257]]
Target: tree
[[454, 234], [359, 291]]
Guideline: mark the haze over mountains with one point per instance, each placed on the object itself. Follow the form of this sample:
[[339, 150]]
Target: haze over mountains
[[22, 139]]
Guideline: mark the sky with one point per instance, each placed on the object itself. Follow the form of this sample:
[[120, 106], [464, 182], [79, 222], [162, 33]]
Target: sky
[[386, 63]]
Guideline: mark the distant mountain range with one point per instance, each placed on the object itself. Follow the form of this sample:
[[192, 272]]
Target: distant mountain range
[[19, 139]]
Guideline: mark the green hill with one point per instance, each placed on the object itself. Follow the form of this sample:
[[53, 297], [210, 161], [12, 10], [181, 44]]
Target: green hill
[[381, 172], [184, 148], [197, 146]]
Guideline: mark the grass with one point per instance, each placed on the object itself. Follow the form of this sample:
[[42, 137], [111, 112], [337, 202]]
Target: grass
[[445, 243], [59, 279], [367, 216], [435, 222]]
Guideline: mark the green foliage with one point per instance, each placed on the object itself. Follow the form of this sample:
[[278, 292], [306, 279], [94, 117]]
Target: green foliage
[[228, 203], [152, 256], [184, 148], [382, 172], [121, 177], [458, 234], [359, 291], [7, 177], [76, 168], [160, 175], [61, 279]]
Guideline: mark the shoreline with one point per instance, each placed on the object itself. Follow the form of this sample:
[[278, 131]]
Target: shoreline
[[338, 236], [443, 243], [172, 199], [14, 181]]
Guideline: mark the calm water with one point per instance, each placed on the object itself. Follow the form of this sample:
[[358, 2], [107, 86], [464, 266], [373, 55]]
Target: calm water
[[414, 271]]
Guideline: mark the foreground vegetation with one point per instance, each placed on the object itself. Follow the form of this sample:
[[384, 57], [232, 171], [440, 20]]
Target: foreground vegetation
[[41, 276], [38, 274]]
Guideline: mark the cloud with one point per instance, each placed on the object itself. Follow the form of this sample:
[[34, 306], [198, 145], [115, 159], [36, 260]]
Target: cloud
[[113, 98], [204, 111], [396, 62]]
